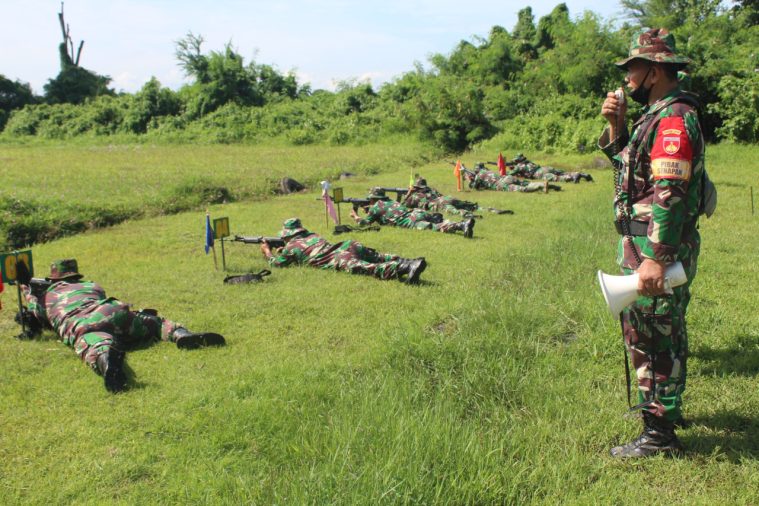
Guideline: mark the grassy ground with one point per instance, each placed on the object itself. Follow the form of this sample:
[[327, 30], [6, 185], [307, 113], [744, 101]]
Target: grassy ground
[[498, 380]]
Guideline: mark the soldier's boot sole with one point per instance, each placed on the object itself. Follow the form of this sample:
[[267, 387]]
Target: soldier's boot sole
[[416, 270], [196, 340], [469, 228], [114, 376]]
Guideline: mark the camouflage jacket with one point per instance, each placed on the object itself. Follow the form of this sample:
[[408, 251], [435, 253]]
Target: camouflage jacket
[[309, 249], [387, 212], [63, 302], [488, 180], [422, 198], [666, 186]]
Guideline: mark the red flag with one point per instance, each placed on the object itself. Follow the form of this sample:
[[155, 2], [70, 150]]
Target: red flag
[[457, 173], [328, 202], [501, 165], [330, 208]]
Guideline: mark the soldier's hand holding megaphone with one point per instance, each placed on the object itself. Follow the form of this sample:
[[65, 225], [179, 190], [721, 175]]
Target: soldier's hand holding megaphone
[[651, 278]]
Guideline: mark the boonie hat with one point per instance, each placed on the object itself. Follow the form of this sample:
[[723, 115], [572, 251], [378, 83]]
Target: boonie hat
[[656, 45], [63, 269]]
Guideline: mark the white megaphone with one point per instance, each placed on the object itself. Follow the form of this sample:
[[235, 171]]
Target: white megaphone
[[621, 291]]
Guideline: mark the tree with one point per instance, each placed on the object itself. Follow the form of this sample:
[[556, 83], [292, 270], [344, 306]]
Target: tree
[[74, 84], [13, 95]]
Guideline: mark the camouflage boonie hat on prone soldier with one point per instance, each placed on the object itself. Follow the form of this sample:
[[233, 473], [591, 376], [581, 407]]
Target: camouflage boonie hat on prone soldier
[[291, 228], [63, 269], [420, 183], [656, 45], [377, 193]]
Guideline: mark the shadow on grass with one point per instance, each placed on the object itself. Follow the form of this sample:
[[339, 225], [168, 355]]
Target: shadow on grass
[[733, 435], [741, 359]]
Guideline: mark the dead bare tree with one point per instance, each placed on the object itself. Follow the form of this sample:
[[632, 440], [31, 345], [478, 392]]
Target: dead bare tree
[[67, 46]]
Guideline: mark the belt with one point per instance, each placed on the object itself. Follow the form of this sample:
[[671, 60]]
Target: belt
[[636, 228]]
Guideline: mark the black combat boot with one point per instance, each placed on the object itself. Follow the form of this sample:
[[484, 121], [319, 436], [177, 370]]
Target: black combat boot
[[658, 436], [187, 340], [554, 187], [111, 366], [587, 177], [412, 269], [468, 228]]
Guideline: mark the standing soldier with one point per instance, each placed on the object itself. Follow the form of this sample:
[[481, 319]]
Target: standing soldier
[[304, 247], [99, 328], [659, 179], [384, 211]]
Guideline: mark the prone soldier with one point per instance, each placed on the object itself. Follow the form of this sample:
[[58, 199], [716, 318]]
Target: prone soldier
[[304, 247], [482, 179], [99, 328], [380, 209], [522, 167], [421, 196]]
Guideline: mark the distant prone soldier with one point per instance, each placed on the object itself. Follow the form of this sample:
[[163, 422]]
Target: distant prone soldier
[[99, 328], [482, 179], [421, 196], [522, 167], [307, 248], [380, 209]]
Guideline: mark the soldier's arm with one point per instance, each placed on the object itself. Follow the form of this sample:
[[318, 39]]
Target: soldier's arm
[[672, 164], [34, 305], [282, 257]]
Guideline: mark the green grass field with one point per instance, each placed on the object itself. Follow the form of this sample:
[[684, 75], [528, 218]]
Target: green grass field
[[498, 380]]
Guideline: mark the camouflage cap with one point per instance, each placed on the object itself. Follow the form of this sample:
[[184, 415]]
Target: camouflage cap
[[420, 183], [63, 269], [377, 193], [291, 227], [656, 45]]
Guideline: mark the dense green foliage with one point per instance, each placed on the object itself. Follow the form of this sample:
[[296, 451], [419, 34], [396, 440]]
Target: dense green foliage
[[537, 87], [499, 380]]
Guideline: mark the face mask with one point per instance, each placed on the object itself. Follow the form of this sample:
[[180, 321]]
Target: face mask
[[641, 93]]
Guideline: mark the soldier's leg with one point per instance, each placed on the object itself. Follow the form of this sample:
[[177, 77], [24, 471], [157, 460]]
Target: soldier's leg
[[657, 342], [449, 227], [347, 260], [146, 326], [99, 351]]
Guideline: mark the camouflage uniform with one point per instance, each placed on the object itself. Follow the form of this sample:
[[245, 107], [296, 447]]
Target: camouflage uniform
[[483, 179], [306, 248], [97, 326], [522, 167], [387, 212], [85, 319], [662, 202], [421, 196]]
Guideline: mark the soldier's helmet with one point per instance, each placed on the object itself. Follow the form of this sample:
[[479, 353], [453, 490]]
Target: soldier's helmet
[[420, 183], [291, 228], [65, 269], [656, 45], [377, 194]]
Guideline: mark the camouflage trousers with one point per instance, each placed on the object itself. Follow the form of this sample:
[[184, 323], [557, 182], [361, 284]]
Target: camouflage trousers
[[92, 330], [562, 177], [523, 187], [356, 258], [423, 220], [656, 338]]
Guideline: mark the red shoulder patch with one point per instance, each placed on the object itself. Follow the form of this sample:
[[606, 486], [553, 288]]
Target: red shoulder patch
[[672, 153]]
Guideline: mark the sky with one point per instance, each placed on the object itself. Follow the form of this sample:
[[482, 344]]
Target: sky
[[322, 41]]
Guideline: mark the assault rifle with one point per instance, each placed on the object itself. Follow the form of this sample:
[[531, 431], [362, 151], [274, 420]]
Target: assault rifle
[[399, 192], [274, 242], [356, 202]]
